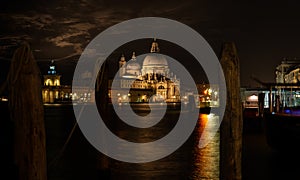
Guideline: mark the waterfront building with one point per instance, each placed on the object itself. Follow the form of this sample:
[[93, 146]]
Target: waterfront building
[[285, 92], [208, 95], [151, 81], [249, 97], [288, 71], [54, 92]]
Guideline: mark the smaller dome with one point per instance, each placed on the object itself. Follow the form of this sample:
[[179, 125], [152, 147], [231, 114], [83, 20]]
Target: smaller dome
[[132, 65]]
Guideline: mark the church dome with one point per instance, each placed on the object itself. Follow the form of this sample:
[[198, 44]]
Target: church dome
[[156, 60], [132, 65]]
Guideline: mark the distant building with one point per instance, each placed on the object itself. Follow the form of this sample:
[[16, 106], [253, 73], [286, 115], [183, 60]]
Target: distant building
[[54, 92], [288, 71], [151, 79], [208, 95], [249, 97]]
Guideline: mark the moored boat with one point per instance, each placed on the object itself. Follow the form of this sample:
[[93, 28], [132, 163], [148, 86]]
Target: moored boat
[[282, 129]]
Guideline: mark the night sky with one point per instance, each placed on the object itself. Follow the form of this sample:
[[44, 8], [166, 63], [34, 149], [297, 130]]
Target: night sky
[[264, 32]]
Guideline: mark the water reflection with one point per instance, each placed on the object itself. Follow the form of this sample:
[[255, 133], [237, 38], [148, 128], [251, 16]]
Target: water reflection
[[189, 162], [206, 159], [79, 159]]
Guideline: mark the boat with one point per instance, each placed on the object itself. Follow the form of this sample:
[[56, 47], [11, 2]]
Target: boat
[[282, 129], [282, 119]]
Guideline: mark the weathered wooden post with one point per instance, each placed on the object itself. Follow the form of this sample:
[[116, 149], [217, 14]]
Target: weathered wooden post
[[277, 103], [261, 104], [27, 113], [271, 99], [103, 162], [231, 127]]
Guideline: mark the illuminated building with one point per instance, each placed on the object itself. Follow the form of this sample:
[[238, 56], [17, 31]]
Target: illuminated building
[[53, 91], [151, 79], [208, 95], [288, 71]]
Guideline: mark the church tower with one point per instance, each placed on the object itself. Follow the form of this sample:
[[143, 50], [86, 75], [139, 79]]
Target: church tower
[[122, 68], [52, 78], [133, 57], [154, 47], [50, 90]]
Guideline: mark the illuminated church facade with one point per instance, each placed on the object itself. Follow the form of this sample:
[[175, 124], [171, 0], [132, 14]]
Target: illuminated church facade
[[150, 81], [54, 92]]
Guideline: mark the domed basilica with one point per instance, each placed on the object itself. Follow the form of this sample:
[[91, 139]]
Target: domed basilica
[[150, 82]]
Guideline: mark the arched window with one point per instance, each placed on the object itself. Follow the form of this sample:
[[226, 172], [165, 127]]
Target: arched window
[[56, 82], [48, 82]]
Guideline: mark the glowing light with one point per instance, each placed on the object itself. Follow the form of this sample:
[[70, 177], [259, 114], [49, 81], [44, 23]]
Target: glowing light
[[253, 97], [209, 91], [4, 99]]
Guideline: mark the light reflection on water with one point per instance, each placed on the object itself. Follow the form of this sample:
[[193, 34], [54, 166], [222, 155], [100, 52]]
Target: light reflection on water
[[188, 162], [206, 159]]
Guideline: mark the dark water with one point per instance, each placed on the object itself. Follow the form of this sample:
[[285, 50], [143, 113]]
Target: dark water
[[80, 160]]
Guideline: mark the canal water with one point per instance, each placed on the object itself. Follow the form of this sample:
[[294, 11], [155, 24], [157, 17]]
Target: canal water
[[80, 160]]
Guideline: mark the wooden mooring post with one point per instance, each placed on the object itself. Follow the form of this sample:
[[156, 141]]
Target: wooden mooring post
[[231, 126], [27, 114], [103, 162]]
